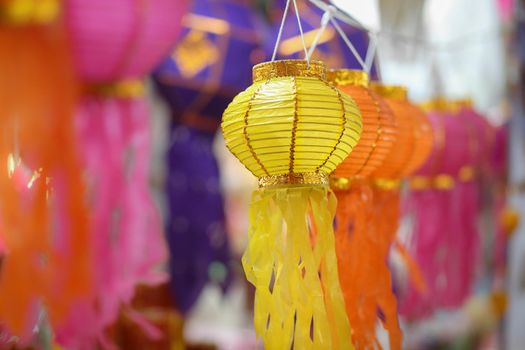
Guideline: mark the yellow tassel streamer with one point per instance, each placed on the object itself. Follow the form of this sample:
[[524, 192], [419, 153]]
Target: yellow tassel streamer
[[291, 261]]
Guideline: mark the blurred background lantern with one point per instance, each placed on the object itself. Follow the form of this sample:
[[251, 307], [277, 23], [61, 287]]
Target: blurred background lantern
[[211, 63], [410, 149], [291, 139], [115, 44], [37, 94], [445, 237], [362, 258]]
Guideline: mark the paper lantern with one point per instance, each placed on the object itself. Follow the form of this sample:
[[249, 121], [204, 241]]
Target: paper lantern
[[445, 237], [121, 39], [291, 128], [363, 274], [45, 261], [114, 45], [379, 131], [195, 79], [411, 147], [198, 83]]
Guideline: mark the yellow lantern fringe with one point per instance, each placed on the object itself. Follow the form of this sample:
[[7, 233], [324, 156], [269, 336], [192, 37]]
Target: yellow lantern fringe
[[291, 261]]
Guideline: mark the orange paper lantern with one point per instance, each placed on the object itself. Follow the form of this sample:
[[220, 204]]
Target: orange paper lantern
[[363, 275], [378, 133], [414, 141], [44, 262]]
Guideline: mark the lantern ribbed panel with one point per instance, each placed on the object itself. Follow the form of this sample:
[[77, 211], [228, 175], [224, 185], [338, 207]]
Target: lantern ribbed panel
[[414, 139], [402, 148], [291, 124], [432, 164], [423, 139], [120, 39], [378, 134]]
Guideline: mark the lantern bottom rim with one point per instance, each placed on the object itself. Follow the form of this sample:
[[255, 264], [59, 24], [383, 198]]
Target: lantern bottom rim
[[294, 179]]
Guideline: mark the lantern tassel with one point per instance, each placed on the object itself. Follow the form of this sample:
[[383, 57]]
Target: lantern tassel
[[291, 261], [363, 271]]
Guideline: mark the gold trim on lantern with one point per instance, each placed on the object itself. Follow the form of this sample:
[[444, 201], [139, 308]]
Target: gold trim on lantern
[[420, 182], [438, 182], [344, 77], [340, 183], [131, 88], [387, 184], [466, 173], [289, 68], [22, 12], [396, 92], [444, 182], [294, 179]]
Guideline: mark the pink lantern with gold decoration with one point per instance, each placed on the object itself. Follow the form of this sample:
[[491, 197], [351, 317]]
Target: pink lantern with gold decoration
[[115, 44]]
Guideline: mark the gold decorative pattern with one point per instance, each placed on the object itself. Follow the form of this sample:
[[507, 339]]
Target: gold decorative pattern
[[396, 92], [340, 183], [387, 184], [343, 126], [317, 178], [343, 77], [131, 88], [194, 53], [420, 182], [21, 12], [294, 125], [288, 68], [439, 182], [245, 133], [466, 174]]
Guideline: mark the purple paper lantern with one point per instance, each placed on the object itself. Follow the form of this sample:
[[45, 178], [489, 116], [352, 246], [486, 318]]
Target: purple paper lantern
[[211, 63]]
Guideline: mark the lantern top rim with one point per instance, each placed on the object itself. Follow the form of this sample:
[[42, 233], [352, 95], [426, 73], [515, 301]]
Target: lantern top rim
[[21, 13], [345, 77], [289, 68], [441, 104], [396, 92]]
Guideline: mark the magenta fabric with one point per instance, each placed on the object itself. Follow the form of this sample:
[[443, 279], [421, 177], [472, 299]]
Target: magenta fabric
[[445, 239], [114, 41], [127, 246], [119, 39]]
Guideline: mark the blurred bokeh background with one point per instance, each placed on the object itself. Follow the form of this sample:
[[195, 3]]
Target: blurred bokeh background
[[123, 215]]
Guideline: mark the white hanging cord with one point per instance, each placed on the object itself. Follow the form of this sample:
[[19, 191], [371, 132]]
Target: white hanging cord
[[301, 31], [280, 33], [281, 28], [348, 43], [371, 52], [324, 23]]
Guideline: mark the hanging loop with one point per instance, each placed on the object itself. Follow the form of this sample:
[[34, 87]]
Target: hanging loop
[[281, 28]]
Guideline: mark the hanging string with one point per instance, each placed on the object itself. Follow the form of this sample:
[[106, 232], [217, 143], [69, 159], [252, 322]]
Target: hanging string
[[281, 28], [348, 42], [324, 23], [456, 44], [371, 52], [328, 17], [301, 31]]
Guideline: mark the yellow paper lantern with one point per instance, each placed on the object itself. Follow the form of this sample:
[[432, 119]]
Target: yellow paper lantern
[[291, 128]]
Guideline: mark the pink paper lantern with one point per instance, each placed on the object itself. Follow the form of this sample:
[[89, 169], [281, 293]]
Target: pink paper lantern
[[121, 39], [444, 202], [115, 44]]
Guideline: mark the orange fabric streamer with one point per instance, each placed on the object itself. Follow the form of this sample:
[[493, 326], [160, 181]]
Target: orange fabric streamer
[[412, 147], [45, 259], [363, 270]]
